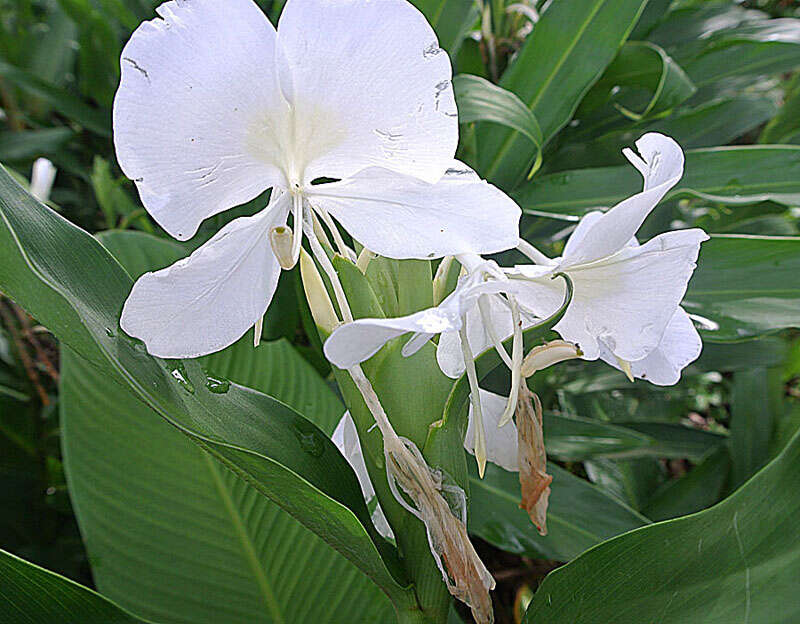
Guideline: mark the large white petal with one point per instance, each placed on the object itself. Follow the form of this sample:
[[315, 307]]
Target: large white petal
[[199, 116], [352, 343], [661, 166], [370, 87], [205, 302], [501, 442], [402, 217], [623, 302], [680, 346]]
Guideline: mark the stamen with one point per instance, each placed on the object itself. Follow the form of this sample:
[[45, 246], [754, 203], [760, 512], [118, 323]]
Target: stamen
[[516, 363], [475, 398], [327, 266], [343, 248], [297, 213], [486, 317]]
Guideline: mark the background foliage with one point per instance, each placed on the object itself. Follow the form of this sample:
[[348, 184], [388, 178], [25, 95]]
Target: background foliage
[[96, 487]]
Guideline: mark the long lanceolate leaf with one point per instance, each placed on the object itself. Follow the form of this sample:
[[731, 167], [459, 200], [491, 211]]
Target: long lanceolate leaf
[[32, 595], [736, 562], [567, 51], [70, 283], [133, 478], [732, 175]]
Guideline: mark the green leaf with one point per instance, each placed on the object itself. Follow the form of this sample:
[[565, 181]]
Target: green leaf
[[787, 122], [731, 175], [579, 515], [131, 475], [701, 487], [32, 143], [745, 286], [30, 594], [451, 19], [756, 399], [480, 100], [744, 552], [568, 50], [576, 439], [96, 120], [642, 81], [70, 283]]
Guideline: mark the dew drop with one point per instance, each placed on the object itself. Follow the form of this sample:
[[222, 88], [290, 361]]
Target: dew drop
[[179, 374], [217, 386], [110, 333]]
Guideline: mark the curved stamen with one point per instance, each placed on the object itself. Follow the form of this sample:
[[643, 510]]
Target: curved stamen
[[516, 365], [297, 213], [475, 398], [486, 317]]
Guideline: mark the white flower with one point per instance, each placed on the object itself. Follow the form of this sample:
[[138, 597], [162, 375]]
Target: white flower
[[626, 295], [215, 106]]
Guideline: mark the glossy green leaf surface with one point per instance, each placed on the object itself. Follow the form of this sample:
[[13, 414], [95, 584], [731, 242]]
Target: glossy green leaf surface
[[32, 595], [745, 286], [745, 552], [732, 175], [131, 476], [480, 100], [70, 283], [579, 514], [567, 51], [643, 80]]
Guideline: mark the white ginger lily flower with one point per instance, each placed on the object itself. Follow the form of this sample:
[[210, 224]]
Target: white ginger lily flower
[[625, 305], [215, 106], [355, 342]]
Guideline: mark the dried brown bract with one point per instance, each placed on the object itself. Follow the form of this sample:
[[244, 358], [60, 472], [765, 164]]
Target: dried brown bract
[[533, 477]]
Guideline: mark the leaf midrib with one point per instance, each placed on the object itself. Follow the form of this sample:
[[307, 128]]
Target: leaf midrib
[[247, 543]]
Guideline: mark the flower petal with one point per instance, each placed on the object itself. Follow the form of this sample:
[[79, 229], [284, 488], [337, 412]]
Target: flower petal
[[370, 87], [345, 437], [207, 301], [661, 166], [680, 346], [199, 113], [623, 302], [501, 442], [355, 342], [401, 217]]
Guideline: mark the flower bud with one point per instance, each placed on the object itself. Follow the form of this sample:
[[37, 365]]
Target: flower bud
[[317, 295], [548, 354], [281, 239]]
